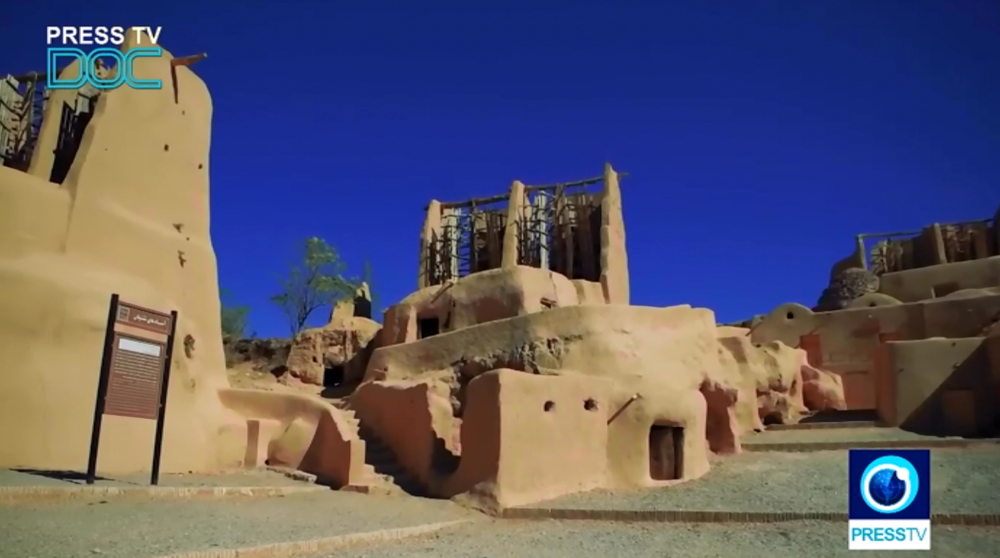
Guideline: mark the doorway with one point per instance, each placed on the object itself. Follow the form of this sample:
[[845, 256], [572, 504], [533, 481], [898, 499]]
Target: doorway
[[666, 452]]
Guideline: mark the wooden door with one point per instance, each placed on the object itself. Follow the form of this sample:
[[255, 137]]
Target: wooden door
[[666, 444]]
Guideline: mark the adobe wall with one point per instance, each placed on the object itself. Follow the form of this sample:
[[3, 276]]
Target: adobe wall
[[849, 335], [132, 217], [992, 344], [614, 255], [416, 422], [918, 284], [660, 353], [545, 439], [298, 431], [944, 387], [478, 298]]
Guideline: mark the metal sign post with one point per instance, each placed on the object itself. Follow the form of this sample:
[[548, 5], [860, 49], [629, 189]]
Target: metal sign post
[[135, 373]]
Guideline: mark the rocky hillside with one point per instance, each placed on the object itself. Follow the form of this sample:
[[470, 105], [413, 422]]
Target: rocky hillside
[[256, 363]]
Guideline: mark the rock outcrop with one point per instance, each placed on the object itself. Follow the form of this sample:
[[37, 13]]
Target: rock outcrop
[[341, 349], [266, 355], [845, 287], [822, 390], [767, 376]]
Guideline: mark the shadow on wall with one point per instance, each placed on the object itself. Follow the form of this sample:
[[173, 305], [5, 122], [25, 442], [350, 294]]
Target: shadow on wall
[[965, 403]]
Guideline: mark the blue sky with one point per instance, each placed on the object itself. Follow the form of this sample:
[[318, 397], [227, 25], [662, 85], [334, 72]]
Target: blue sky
[[759, 136]]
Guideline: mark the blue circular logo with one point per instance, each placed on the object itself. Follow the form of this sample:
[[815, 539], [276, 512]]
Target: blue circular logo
[[889, 484]]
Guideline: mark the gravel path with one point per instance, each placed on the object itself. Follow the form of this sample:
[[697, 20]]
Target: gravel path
[[586, 539], [253, 477], [962, 481], [143, 529], [836, 435]]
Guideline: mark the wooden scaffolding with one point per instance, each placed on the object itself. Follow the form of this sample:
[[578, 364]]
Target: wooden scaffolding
[[558, 228], [936, 244]]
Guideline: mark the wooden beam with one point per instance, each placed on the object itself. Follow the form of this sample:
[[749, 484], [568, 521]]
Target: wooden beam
[[575, 183], [188, 61], [915, 233], [474, 202], [504, 197], [31, 76]]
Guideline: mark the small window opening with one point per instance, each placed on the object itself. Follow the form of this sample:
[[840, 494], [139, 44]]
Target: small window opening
[[789, 316], [590, 405], [548, 303], [549, 406], [333, 376], [772, 418], [428, 327]]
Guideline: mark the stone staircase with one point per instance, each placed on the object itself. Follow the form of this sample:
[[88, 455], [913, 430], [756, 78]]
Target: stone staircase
[[384, 464], [384, 473]]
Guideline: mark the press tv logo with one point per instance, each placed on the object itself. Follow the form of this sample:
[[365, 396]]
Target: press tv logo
[[890, 499], [93, 71]]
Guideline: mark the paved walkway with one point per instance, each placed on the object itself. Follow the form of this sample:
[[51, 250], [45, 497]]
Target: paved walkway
[[818, 439], [157, 528], [250, 477], [576, 539], [963, 481], [20, 486]]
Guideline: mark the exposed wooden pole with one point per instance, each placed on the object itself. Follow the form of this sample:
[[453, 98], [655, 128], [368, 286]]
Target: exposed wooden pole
[[503, 197], [188, 61]]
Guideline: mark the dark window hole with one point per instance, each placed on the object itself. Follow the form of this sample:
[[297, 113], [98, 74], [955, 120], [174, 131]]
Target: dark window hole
[[428, 327], [590, 405], [772, 418], [333, 376], [549, 406], [790, 316]]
